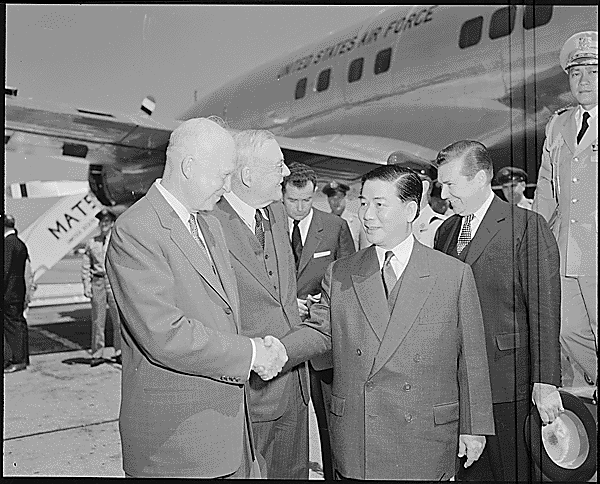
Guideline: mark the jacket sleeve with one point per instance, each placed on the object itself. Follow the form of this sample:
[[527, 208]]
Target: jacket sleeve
[[539, 273], [545, 200], [475, 399], [144, 287], [345, 242]]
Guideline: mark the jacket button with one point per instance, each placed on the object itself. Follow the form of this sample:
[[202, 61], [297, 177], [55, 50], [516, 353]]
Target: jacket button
[[358, 352], [417, 358], [406, 387], [408, 417], [266, 256], [369, 385], [227, 310], [270, 273], [575, 180], [573, 220], [574, 200], [575, 159]]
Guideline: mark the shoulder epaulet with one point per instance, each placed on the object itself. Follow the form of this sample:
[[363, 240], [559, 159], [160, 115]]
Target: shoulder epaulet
[[558, 112]]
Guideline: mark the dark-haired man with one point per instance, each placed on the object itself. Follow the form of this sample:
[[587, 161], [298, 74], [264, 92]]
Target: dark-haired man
[[410, 383], [515, 260]]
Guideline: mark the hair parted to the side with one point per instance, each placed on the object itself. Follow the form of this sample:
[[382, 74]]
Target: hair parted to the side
[[247, 144], [300, 175], [409, 186], [474, 154]]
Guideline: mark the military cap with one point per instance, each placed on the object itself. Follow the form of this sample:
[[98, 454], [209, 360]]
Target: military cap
[[510, 174], [580, 50], [334, 187], [106, 213], [9, 221]]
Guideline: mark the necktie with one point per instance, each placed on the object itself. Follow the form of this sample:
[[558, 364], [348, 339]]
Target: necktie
[[465, 234], [388, 274], [258, 228], [584, 126], [296, 242], [196, 235]]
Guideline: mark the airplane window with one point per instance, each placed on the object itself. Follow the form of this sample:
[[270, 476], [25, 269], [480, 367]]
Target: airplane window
[[382, 61], [301, 88], [355, 69], [470, 32], [323, 80], [536, 16], [502, 22]]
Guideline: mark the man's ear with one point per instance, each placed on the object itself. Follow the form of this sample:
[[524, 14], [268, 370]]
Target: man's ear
[[246, 176], [426, 185], [411, 211], [186, 167]]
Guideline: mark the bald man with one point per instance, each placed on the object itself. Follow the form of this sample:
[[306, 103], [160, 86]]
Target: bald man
[[185, 365]]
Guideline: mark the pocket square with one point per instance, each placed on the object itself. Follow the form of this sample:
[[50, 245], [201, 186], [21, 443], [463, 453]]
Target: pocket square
[[322, 254]]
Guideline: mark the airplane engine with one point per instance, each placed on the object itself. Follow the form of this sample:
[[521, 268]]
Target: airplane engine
[[124, 184]]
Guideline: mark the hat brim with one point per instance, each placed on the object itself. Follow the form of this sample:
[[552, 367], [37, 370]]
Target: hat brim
[[583, 466]]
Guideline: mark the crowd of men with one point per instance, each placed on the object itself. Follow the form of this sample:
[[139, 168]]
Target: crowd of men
[[422, 338]]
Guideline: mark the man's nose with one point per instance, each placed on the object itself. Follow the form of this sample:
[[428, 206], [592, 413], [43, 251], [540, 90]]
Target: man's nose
[[444, 193], [227, 184]]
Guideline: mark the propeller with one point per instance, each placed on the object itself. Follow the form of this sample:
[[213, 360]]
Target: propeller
[[47, 189]]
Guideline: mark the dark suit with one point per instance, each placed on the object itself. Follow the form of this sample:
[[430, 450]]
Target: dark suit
[[409, 375], [267, 288], [328, 239], [515, 261], [16, 338], [184, 363]]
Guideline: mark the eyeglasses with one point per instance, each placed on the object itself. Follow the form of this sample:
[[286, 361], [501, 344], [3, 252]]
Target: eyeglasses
[[279, 166]]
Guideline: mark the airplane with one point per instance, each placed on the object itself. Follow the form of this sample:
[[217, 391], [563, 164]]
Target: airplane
[[395, 88]]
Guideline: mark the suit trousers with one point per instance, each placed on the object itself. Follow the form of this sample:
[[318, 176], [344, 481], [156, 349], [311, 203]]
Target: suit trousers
[[101, 296], [579, 325], [283, 443], [16, 336], [505, 456], [320, 394]]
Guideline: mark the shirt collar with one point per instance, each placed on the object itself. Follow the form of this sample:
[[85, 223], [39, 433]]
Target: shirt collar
[[245, 211], [180, 210], [593, 112], [304, 224], [402, 251], [481, 211]]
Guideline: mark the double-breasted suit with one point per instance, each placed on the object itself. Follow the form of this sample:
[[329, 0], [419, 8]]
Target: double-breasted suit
[[515, 261], [567, 196], [410, 374], [266, 280], [184, 363]]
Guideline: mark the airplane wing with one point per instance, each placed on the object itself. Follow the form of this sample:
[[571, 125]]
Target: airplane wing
[[345, 157], [98, 137]]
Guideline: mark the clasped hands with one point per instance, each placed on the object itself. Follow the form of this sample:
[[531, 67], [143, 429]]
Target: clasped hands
[[305, 304], [270, 357]]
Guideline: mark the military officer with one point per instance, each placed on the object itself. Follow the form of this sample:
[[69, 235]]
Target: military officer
[[514, 181], [566, 195], [428, 221], [97, 287], [336, 197]]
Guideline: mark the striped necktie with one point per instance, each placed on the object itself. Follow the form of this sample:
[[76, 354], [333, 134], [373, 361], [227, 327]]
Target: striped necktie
[[196, 235], [388, 274], [465, 234], [259, 231]]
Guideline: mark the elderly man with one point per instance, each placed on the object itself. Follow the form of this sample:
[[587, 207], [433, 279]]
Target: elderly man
[[96, 286], [513, 182], [410, 380], [256, 229], [183, 410], [567, 196], [317, 239], [515, 262]]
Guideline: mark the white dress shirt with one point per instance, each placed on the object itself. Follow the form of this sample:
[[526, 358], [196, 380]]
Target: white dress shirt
[[184, 215], [245, 211], [304, 225], [478, 215], [402, 252]]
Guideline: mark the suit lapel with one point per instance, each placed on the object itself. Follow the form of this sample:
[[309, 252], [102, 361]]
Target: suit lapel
[[280, 232], [453, 228], [184, 240], [415, 287], [368, 286], [313, 238], [589, 137], [487, 230]]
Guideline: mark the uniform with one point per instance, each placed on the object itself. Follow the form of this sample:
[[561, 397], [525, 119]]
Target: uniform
[[510, 177], [566, 195]]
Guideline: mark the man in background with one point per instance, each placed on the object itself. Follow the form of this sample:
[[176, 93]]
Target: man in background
[[16, 338], [96, 286], [336, 197], [317, 239], [567, 196], [514, 181], [426, 224]]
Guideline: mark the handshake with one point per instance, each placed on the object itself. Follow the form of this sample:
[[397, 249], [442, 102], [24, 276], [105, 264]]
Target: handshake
[[270, 357]]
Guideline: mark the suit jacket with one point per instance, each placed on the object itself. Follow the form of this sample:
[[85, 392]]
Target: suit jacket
[[515, 262], [184, 364], [270, 308], [405, 384], [15, 257], [328, 239], [567, 192]]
